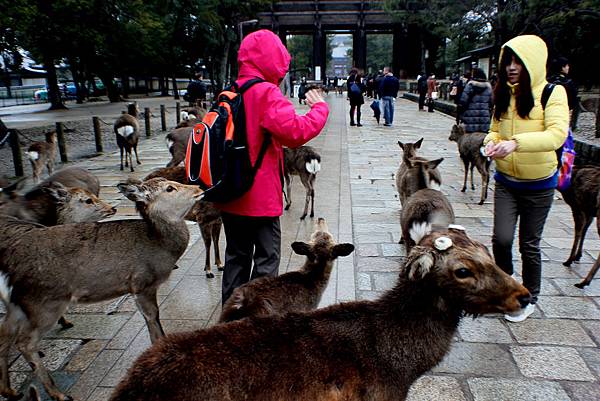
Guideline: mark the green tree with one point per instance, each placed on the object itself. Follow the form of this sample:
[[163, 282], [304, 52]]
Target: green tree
[[300, 48], [379, 51]]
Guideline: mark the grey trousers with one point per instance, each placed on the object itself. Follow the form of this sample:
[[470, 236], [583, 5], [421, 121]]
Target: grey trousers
[[249, 239], [531, 208]]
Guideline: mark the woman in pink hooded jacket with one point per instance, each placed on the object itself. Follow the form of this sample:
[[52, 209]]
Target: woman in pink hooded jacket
[[252, 221]]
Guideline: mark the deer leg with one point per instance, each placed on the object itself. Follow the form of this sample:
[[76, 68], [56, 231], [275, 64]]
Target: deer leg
[[312, 195], [36, 170], [121, 158], [472, 182], [137, 158], [146, 302], [466, 164], [8, 332], [130, 153], [288, 191], [588, 279], [586, 225], [578, 218], [485, 178], [205, 230], [50, 166], [306, 182], [216, 233], [64, 323]]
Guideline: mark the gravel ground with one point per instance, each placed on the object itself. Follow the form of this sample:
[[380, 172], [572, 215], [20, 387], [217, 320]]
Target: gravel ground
[[79, 136], [586, 128]]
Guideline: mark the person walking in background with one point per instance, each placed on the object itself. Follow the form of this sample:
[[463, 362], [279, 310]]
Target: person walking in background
[[422, 89], [475, 103], [302, 91], [355, 94], [431, 92], [378, 79], [460, 87], [523, 140], [389, 87], [252, 221], [196, 91], [560, 70]]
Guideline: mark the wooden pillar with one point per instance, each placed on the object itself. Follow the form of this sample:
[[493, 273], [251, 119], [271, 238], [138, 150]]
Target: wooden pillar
[[16, 152], [177, 112], [319, 51], [62, 143], [163, 117], [359, 48], [97, 134], [147, 121]]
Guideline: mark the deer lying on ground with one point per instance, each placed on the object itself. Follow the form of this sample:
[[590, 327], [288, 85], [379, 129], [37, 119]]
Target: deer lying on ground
[[351, 351], [295, 291], [305, 162], [409, 151], [424, 210], [419, 173], [127, 131], [469, 147], [204, 213], [68, 196], [42, 154], [583, 196], [47, 268]]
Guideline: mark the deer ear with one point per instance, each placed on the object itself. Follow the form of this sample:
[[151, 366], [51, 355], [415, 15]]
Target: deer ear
[[418, 143], [57, 191], [133, 191], [419, 263], [401, 145], [434, 163], [302, 248], [342, 250]]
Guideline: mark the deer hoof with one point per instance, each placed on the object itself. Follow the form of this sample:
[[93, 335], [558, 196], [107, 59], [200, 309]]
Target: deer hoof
[[67, 398], [139, 162], [464, 189], [121, 168], [582, 284], [41, 354], [312, 214], [220, 268], [568, 263], [64, 323], [210, 275], [480, 202], [302, 217], [287, 207]]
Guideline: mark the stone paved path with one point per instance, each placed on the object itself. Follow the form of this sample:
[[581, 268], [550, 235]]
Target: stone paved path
[[554, 355]]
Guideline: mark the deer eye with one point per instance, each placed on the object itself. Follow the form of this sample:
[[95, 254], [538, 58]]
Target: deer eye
[[89, 201], [170, 188], [463, 273]]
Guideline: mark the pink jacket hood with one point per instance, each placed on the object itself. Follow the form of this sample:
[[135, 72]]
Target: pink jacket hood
[[263, 55]]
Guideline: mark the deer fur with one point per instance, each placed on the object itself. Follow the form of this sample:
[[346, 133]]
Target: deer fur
[[364, 350], [469, 148], [425, 210], [304, 162], [68, 196], [127, 131], [295, 291], [177, 141], [191, 116], [42, 154], [419, 173], [204, 213], [583, 196], [47, 268], [409, 151]]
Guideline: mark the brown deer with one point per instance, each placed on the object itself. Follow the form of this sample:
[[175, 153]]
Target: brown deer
[[191, 116], [469, 148], [583, 196], [304, 162], [42, 154], [409, 151], [295, 291], [127, 131], [350, 351], [204, 213], [419, 173], [177, 141], [47, 268]]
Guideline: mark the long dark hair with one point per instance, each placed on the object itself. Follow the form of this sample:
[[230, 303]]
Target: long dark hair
[[523, 94]]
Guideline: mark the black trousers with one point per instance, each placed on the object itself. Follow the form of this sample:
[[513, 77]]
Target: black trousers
[[422, 100], [531, 208], [249, 239], [352, 108]]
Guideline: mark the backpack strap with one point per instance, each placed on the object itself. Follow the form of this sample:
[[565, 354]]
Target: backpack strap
[[546, 94], [246, 85], [262, 152]]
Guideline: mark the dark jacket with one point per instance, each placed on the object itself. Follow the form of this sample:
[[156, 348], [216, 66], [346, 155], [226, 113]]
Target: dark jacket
[[422, 84], [389, 86], [476, 105], [196, 90], [355, 99], [570, 87]]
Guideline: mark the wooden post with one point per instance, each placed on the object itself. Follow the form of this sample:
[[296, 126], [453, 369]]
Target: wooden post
[[598, 119], [62, 144], [163, 117], [147, 120], [16, 152], [177, 112], [97, 134], [575, 115]]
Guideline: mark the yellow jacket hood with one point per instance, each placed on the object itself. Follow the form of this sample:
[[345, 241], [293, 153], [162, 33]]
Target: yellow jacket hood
[[533, 52]]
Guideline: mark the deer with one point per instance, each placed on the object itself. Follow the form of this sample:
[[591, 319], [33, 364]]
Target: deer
[[177, 141], [204, 213], [45, 269], [583, 197], [409, 151], [350, 351], [295, 291], [469, 148], [127, 129], [418, 173], [42, 154], [304, 162], [191, 116]]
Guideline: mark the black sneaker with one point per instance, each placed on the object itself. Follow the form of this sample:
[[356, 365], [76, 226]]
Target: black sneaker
[[352, 124], [359, 125]]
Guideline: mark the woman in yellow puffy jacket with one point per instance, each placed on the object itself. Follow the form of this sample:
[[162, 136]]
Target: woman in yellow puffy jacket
[[523, 140]]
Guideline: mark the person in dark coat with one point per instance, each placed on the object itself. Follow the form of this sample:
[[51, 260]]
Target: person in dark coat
[[422, 89], [355, 96], [302, 90], [388, 90], [196, 91], [476, 103], [560, 68]]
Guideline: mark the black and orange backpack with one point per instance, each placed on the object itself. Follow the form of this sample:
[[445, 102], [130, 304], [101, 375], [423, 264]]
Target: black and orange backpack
[[217, 158]]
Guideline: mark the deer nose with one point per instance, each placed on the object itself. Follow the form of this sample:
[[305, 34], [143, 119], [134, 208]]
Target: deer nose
[[524, 300]]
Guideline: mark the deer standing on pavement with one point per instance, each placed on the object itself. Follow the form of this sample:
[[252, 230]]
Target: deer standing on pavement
[[47, 268], [127, 131], [304, 162], [42, 154]]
